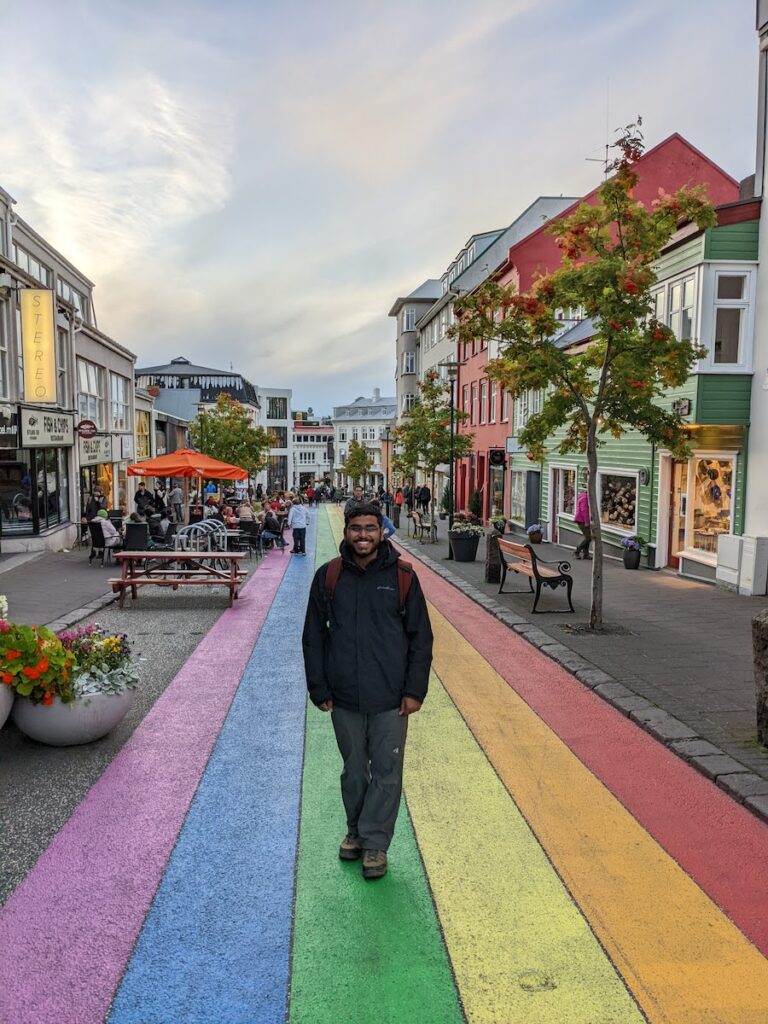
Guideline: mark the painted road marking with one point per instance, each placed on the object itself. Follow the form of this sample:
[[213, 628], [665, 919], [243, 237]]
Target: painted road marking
[[684, 961], [77, 913], [362, 951], [716, 841], [521, 950], [215, 945]]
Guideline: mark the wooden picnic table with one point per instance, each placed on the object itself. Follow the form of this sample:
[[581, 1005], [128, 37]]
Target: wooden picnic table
[[178, 569]]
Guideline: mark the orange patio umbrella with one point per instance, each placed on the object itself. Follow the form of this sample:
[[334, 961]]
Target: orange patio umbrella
[[187, 463]]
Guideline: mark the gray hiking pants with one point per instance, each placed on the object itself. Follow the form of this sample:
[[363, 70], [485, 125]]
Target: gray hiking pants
[[372, 748]]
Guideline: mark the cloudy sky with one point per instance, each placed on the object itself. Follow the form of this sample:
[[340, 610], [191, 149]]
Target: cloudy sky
[[255, 181]]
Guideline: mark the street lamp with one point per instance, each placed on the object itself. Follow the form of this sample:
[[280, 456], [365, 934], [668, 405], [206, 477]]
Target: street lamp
[[451, 368], [386, 478]]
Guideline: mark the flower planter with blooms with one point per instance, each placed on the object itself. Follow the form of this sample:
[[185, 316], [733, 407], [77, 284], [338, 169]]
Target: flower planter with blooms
[[535, 533], [86, 700], [33, 664], [633, 547], [499, 523], [464, 539]]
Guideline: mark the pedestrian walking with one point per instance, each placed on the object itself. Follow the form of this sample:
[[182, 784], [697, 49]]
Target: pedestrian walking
[[423, 498], [310, 494], [95, 502], [298, 520], [583, 518], [142, 500], [367, 653], [176, 498], [357, 498]]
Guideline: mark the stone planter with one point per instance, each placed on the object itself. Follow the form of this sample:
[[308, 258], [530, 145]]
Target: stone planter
[[81, 721], [631, 559], [464, 546], [6, 702]]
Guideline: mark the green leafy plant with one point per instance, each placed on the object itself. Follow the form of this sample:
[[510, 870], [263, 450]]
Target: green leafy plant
[[612, 383], [476, 504], [227, 433], [102, 659], [358, 462], [35, 663], [634, 543]]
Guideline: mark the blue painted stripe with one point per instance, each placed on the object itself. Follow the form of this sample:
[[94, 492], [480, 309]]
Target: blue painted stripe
[[215, 946]]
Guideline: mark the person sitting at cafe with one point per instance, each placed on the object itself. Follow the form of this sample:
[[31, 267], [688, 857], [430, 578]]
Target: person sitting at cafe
[[245, 511], [210, 508], [112, 538], [272, 530], [230, 519], [165, 522]]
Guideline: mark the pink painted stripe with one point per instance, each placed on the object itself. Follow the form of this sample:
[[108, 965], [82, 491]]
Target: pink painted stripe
[[716, 841], [69, 929]]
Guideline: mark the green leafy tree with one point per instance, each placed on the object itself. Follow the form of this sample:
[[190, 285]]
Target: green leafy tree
[[227, 433], [424, 436], [612, 384], [358, 462]]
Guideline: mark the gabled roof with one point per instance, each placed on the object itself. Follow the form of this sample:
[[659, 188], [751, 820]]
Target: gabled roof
[[582, 331], [181, 367]]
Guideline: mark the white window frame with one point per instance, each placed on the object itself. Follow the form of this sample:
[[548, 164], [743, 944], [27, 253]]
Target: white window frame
[[465, 398], [666, 287], [559, 467], [473, 398], [504, 406], [522, 472], [710, 305], [493, 399], [408, 401], [116, 404], [483, 401], [95, 406], [409, 362], [409, 319], [691, 553], [622, 531]]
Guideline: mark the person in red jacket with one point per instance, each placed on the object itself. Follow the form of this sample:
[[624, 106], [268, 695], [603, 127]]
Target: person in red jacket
[[584, 520]]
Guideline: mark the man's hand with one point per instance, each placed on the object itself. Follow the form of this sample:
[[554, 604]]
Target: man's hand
[[409, 705], [327, 705]]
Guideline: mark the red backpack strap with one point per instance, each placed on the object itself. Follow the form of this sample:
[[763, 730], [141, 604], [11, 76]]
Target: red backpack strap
[[404, 580], [332, 574]]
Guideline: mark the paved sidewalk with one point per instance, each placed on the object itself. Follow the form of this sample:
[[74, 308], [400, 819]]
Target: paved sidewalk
[[49, 587], [687, 649]]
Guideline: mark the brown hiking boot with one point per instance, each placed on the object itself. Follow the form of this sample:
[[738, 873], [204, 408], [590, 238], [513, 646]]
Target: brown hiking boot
[[350, 848], [374, 864]]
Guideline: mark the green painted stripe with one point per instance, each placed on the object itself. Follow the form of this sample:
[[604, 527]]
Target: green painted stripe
[[363, 951]]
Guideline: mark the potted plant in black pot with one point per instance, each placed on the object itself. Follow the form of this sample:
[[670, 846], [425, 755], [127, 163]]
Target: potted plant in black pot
[[499, 523], [632, 550], [464, 539], [535, 533]]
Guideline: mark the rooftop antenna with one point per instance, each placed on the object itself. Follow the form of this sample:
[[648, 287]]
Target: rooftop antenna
[[604, 159]]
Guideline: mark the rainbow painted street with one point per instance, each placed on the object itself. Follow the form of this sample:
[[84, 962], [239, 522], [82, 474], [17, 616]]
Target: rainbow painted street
[[552, 863]]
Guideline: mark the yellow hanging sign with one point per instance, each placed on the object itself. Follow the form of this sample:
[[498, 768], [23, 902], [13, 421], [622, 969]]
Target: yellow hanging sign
[[38, 345]]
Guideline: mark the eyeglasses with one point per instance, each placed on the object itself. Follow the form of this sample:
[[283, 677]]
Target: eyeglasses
[[364, 529]]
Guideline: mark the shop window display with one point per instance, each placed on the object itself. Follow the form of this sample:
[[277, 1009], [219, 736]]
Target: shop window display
[[712, 502], [517, 497], [618, 499], [568, 491], [16, 491]]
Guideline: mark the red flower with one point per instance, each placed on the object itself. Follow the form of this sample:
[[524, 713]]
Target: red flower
[[30, 673], [12, 653], [7, 677], [48, 699], [42, 666]]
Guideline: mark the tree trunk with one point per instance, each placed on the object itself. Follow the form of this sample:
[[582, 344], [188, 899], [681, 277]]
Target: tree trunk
[[596, 609], [432, 498]]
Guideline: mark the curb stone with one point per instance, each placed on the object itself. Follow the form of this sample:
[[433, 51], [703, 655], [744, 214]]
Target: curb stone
[[65, 621], [726, 772]]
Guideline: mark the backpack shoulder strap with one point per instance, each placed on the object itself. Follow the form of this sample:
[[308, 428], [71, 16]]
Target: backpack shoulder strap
[[404, 580], [332, 574]]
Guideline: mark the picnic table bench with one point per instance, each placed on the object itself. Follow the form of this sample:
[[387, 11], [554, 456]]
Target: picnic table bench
[[522, 559], [178, 569]]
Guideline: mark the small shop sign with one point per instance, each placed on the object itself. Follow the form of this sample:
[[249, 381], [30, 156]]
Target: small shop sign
[[95, 450], [40, 429], [86, 428]]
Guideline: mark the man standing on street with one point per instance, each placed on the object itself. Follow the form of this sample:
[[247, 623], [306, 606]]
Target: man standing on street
[[298, 518], [367, 653], [353, 502], [176, 498]]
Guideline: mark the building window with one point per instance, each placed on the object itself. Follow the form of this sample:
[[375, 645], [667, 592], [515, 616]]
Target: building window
[[408, 402], [280, 437], [680, 316], [566, 491], [90, 398], [483, 401], [473, 414], [618, 499], [409, 319], [342, 435], [277, 409], [355, 434], [120, 415], [75, 298], [31, 265], [505, 406], [409, 362], [62, 381], [492, 410], [710, 502], [4, 384], [730, 313], [465, 398], [517, 496], [443, 322], [143, 450]]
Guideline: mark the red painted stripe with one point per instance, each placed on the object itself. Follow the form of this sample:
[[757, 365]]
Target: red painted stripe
[[715, 841]]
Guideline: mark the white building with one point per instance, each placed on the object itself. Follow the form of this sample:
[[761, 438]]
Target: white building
[[371, 422], [313, 449], [276, 417]]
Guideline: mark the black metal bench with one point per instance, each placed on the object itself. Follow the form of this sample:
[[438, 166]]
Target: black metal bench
[[522, 559]]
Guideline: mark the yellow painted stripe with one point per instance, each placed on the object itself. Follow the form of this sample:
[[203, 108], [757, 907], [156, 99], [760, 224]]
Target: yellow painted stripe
[[521, 951], [684, 961]]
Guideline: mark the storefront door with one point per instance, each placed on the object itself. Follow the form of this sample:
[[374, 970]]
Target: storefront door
[[678, 511]]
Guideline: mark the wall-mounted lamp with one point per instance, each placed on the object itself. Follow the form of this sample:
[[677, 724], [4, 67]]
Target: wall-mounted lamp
[[645, 477]]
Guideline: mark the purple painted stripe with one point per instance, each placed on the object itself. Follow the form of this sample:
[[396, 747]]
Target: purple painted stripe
[[69, 929]]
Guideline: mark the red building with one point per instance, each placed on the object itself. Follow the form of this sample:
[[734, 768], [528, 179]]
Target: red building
[[671, 165]]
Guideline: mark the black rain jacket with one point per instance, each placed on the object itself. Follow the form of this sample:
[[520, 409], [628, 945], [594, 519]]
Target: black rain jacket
[[358, 649]]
